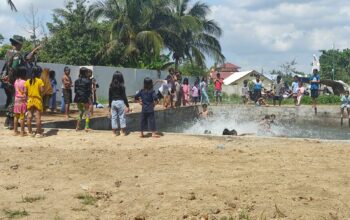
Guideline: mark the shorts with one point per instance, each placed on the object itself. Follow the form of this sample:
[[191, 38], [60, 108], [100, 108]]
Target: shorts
[[277, 98], [20, 116], [314, 93], [218, 93], [195, 99], [67, 95], [148, 121], [343, 107]]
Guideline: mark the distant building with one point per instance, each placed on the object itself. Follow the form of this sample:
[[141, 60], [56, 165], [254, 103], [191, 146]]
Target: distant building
[[225, 70], [234, 83]]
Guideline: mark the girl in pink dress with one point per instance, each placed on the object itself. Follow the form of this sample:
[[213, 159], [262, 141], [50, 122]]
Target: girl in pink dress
[[185, 92], [20, 107]]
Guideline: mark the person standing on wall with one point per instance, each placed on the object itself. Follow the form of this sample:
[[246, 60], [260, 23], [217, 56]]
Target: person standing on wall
[[218, 88], [14, 59], [315, 85], [67, 90], [258, 86]]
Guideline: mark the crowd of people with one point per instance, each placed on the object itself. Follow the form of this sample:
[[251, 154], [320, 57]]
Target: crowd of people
[[31, 91]]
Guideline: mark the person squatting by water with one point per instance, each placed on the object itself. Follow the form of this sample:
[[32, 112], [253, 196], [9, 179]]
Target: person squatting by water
[[147, 97], [345, 105], [82, 90], [118, 104]]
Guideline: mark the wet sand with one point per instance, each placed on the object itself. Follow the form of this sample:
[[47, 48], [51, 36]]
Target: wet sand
[[174, 177]]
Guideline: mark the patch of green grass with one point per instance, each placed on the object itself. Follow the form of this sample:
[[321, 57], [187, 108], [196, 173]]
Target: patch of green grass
[[31, 199], [15, 213], [10, 187], [86, 199]]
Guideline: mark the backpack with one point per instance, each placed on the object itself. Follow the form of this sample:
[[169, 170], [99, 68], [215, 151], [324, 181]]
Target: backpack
[[8, 69]]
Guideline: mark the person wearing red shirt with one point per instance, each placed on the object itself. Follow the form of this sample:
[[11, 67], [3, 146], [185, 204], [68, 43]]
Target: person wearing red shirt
[[218, 88]]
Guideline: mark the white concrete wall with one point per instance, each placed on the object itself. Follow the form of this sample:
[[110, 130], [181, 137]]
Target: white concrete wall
[[133, 78]]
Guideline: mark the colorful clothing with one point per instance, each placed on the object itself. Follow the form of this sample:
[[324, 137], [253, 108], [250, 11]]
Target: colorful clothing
[[204, 92], [185, 94], [20, 106], [84, 112], [295, 86], [34, 94], [315, 85]]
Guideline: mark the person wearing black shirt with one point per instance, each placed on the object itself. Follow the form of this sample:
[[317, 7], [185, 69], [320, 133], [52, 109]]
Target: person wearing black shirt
[[82, 89], [118, 103]]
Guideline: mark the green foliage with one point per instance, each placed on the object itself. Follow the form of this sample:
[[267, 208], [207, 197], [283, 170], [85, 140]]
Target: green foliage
[[1, 38], [75, 36], [87, 199], [341, 61], [322, 100], [15, 213], [132, 33], [3, 49], [192, 69]]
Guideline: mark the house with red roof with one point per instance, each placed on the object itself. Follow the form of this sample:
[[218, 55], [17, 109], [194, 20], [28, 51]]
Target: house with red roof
[[225, 70]]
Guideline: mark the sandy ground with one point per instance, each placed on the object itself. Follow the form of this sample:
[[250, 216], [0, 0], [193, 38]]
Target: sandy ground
[[174, 177]]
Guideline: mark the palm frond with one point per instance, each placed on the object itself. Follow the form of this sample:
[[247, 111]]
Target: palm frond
[[12, 5]]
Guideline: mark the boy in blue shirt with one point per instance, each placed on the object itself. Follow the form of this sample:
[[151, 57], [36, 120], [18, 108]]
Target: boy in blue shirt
[[315, 85], [258, 86]]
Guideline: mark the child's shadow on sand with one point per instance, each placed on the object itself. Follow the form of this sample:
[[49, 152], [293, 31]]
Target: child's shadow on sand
[[51, 132]]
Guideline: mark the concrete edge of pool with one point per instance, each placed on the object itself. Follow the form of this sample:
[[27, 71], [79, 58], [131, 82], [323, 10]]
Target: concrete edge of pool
[[170, 117]]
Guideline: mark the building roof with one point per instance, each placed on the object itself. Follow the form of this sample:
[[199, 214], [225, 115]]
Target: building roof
[[229, 66], [238, 75]]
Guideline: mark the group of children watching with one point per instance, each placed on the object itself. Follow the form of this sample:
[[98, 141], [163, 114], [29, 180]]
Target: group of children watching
[[176, 92]]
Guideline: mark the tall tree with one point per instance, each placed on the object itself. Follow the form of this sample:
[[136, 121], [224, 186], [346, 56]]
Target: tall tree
[[1, 38], [75, 36], [130, 29], [198, 35]]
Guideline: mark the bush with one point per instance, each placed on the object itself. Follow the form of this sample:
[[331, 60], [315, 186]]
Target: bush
[[323, 100]]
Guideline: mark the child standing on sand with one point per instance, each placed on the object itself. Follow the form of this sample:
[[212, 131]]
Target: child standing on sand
[[147, 98], [35, 89], [345, 104], [52, 75], [20, 106], [82, 89], [118, 103], [245, 92]]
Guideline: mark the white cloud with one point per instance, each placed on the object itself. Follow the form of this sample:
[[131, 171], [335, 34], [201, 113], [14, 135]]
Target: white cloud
[[267, 33]]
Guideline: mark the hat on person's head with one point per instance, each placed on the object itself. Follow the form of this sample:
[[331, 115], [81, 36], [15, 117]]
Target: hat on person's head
[[66, 69], [16, 39]]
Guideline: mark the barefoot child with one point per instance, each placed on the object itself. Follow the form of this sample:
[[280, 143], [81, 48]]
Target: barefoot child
[[147, 98], [35, 89], [345, 104], [82, 89], [118, 103], [20, 106]]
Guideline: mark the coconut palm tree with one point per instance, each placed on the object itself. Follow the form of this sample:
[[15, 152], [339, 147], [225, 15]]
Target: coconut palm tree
[[129, 28], [198, 35], [12, 5]]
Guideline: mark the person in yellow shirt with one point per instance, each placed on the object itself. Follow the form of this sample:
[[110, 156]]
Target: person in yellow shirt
[[35, 89]]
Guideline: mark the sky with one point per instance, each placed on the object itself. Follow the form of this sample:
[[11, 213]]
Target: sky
[[258, 34]]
